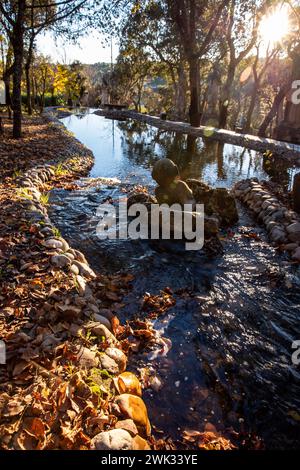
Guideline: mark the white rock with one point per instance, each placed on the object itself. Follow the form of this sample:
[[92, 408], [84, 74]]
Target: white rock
[[116, 439]]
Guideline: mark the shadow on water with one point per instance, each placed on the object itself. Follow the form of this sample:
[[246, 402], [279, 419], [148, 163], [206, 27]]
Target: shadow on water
[[236, 315]]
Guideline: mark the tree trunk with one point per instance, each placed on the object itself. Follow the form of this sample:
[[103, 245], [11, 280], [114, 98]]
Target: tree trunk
[[27, 74], [247, 125], [194, 72], [180, 105], [28, 89], [273, 111], [18, 48], [227, 92]]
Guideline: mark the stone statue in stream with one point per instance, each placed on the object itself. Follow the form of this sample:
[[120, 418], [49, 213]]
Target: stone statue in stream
[[219, 206]]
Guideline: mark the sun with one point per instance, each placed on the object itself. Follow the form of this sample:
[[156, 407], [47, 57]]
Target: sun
[[274, 26]]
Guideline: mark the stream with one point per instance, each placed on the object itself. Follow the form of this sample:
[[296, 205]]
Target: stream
[[230, 333]]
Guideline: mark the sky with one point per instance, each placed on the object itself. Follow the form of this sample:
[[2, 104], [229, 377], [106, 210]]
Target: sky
[[88, 50]]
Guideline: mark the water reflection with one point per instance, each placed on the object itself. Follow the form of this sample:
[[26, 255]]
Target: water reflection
[[128, 150]]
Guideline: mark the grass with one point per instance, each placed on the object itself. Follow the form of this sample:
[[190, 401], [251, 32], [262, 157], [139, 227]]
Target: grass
[[24, 193], [44, 199]]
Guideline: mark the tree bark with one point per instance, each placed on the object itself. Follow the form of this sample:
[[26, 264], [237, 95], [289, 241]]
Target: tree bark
[[27, 75], [247, 126], [227, 92], [18, 48], [273, 111], [194, 73]]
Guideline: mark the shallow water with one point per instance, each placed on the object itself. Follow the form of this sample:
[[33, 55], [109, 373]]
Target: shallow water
[[230, 360]]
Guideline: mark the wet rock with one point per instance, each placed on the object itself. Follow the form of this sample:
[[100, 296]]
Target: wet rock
[[116, 439], [216, 201], [140, 444], [109, 364], [134, 408], [141, 198], [128, 383], [118, 356], [164, 172], [211, 227], [60, 261]]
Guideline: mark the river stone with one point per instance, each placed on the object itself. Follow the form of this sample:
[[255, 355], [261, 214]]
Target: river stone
[[79, 256], [53, 243], [84, 269], [116, 439], [74, 269], [83, 289], [105, 312], [140, 444], [87, 358], [294, 232], [128, 425], [102, 320], [118, 356], [296, 255], [109, 364], [134, 408], [211, 226], [60, 261], [278, 235], [216, 201], [70, 255], [100, 330], [291, 246]]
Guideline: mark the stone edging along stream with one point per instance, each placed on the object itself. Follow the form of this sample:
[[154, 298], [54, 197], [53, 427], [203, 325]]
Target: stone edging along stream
[[281, 223], [128, 399], [291, 152]]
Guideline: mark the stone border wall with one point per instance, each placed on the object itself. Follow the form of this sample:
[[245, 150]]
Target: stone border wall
[[86, 307], [282, 224], [290, 152]]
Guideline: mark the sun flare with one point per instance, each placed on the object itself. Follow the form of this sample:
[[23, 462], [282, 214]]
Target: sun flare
[[275, 26]]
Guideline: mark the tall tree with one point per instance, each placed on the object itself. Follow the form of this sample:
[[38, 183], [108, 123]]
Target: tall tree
[[13, 17], [196, 21]]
